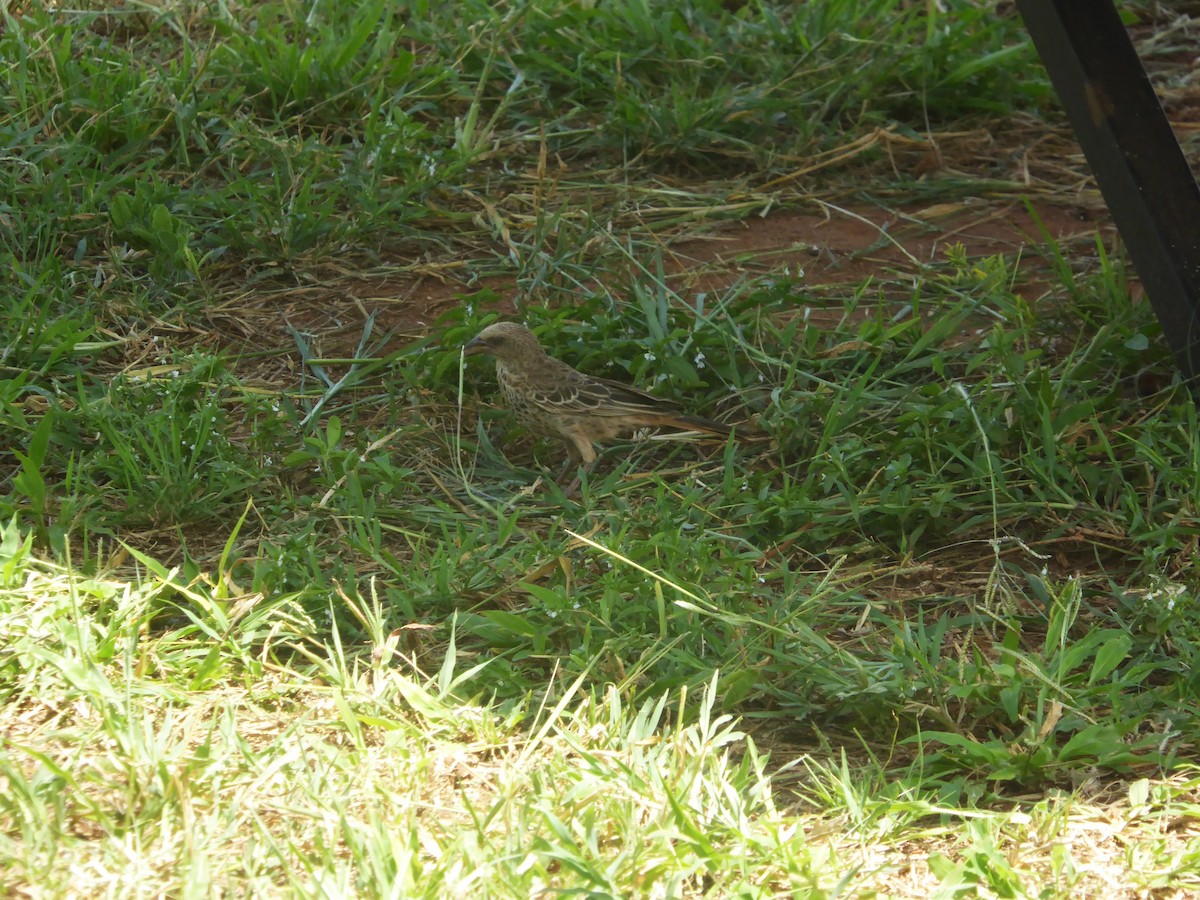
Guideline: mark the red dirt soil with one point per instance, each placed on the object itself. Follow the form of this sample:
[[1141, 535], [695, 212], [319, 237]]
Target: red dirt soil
[[832, 245]]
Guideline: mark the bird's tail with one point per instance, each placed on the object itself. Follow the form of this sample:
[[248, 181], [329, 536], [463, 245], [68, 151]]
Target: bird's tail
[[743, 431], [699, 423]]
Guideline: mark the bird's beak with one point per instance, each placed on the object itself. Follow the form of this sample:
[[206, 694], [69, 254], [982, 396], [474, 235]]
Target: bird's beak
[[473, 346]]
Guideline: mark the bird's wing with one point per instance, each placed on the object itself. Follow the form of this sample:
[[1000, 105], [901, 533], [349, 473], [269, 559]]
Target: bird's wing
[[571, 392]]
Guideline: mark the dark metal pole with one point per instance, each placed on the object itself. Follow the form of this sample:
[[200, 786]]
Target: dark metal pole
[[1142, 173]]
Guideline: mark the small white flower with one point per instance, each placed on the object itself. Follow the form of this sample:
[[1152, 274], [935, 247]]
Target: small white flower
[[700, 360], [649, 356]]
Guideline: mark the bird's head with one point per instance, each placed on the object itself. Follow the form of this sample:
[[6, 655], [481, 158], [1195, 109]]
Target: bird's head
[[505, 341]]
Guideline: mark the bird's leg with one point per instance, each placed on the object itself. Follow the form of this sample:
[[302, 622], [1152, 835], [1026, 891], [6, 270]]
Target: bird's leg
[[572, 489], [580, 455], [571, 462]]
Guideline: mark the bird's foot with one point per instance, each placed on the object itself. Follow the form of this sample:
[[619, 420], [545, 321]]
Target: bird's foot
[[573, 487]]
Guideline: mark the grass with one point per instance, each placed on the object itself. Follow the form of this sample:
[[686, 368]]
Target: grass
[[290, 609]]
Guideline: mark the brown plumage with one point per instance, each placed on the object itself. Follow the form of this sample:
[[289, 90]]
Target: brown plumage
[[553, 400]]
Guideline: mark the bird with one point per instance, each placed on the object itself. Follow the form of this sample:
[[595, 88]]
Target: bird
[[551, 399]]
